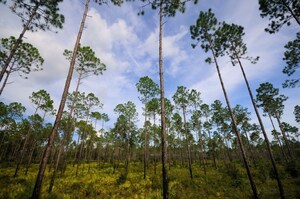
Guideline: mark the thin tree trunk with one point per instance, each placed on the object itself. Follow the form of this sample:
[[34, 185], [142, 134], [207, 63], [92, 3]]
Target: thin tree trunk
[[295, 16], [99, 155], [181, 157], [89, 156], [279, 142], [253, 186], [51, 158], [227, 147], [214, 157], [6, 78], [39, 180], [66, 134], [2, 147], [30, 158], [22, 153], [284, 137], [280, 186], [250, 149], [188, 144], [80, 153], [18, 42], [154, 151], [162, 100], [4, 153], [145, 146], [202, 155], [60, 152], [127, 155], [76, 151], [170, 158]]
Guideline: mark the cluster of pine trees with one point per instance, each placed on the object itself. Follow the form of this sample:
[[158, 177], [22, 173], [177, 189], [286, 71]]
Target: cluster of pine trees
[[178, 131]]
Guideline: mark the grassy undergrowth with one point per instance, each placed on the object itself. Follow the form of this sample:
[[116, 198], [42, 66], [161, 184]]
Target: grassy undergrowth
[[225, 182]]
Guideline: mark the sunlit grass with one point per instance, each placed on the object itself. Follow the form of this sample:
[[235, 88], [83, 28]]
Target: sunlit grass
[[103, 182]]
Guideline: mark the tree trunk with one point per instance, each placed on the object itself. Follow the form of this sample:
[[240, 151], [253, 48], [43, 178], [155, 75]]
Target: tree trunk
[[145, 146], [227, 148], [18, 42], [80, 153], [284, 137], [39, 180], [214, 157], [30, 158], [295, 15], [127, 155], [99, 155], [280, 186], [154, 151], [202, 155], [60, 152], [22, 153], [162, 101], [188, 144], [250, 149], [254, 190], [181, 157], [65, 136], [6, 78], [279, 142]]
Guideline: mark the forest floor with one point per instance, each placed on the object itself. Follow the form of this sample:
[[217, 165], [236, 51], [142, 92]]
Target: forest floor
[[102, 182]]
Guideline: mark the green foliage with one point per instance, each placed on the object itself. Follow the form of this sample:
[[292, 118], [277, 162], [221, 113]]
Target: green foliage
[[26, 59], [234, 173], [42, 100], [280, 13], [204, 31], [227, 182], [86, 62], [269, 99], [147, 88], [115, 2], [169, 8], [292, 59], [297, 113], [281, 172], [122, 178], [44, 14], [292, 169], [230, 40], [262, 171]]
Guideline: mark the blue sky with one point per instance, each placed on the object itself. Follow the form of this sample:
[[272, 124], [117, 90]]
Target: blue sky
[[128, 45]]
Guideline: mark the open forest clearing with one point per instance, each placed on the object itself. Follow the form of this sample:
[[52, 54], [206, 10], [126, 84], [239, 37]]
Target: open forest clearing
[[149, 99], [101, 181]]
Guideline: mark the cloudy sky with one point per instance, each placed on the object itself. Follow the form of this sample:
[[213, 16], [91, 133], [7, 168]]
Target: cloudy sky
[[128, 45]]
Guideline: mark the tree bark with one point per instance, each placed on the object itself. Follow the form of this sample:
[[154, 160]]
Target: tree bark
[[39, 180], [188, 144], [145, 146], [162, 100], [60, 152], [284, 137], [202, 152], [80, 152], [279, 142], [30, 158], [253, 186], [6, 78], [279, 183]]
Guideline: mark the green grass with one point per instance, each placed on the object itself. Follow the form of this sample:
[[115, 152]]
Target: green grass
[[224, 182]]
